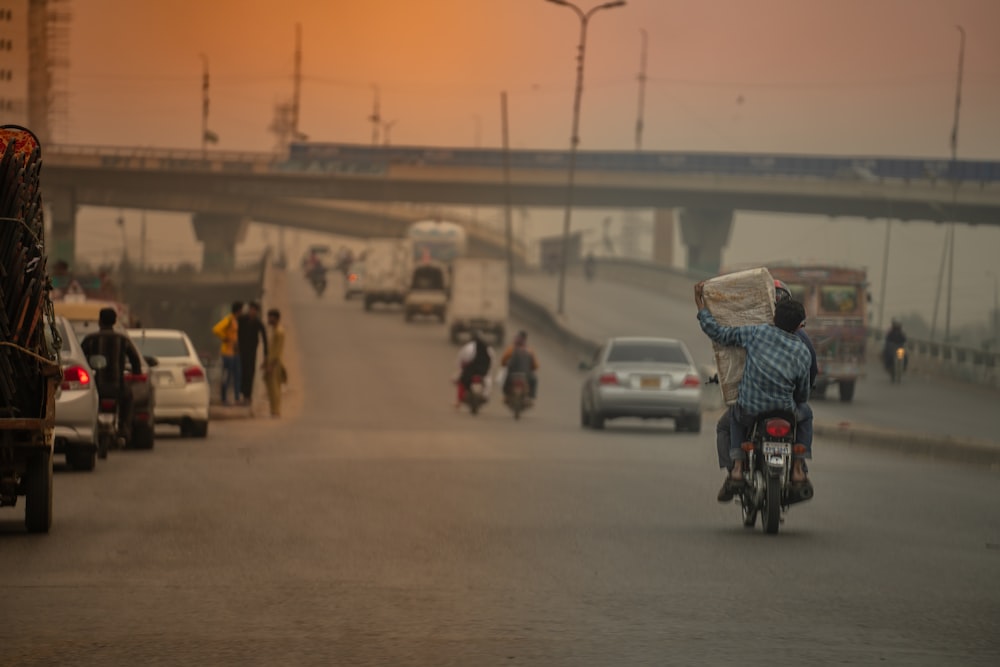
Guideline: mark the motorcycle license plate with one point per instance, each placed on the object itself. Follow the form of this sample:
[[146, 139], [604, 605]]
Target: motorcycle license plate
[[777, 449], [106, 418]]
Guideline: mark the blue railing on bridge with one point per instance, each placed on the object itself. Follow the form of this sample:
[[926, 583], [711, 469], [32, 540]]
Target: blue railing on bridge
[[340, 156]]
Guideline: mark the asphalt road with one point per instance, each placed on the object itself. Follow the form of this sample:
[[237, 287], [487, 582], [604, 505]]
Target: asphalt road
[[380, 527], [920, 404]]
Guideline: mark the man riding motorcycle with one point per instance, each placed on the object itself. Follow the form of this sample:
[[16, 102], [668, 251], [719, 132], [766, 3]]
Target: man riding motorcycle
[[474, 359], [722, 430], [117, 349], [518, 358], [776, 377], [894, 339]]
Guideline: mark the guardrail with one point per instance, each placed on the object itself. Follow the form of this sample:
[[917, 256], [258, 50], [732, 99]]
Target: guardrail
[[959, 362]]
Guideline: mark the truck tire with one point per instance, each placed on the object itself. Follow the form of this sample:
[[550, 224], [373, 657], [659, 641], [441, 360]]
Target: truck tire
[[143, 436], [38, 493], [846, 391], [198, 429], [82, 458]]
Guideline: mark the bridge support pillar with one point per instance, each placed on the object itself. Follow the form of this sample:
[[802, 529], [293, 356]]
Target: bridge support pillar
[[663, 236], [219, 235], [705, 232], [61, 245]]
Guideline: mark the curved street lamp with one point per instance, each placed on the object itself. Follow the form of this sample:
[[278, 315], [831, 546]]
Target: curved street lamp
[[575, 136]]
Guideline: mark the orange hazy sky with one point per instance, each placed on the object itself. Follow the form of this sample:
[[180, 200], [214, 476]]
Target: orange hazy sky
[[840, 76]]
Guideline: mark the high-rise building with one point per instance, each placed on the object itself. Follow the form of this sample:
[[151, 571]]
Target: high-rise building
[[14, 62], [34, 61]]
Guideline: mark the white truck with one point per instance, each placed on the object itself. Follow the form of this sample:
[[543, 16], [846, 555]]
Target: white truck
[[479, 298], [388, 266]]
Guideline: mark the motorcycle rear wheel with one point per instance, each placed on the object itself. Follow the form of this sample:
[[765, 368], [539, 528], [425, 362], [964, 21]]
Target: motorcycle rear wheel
[[772, 509]]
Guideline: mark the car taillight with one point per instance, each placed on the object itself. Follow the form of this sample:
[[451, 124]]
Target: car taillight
[[778, 428], [138, 377], [691, 381], [75, 377], [353, 277], [608, 379], [194, 374], [108, 405]]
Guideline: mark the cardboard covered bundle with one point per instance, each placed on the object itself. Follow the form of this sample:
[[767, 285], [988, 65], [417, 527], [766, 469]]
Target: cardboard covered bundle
[[735, 300]]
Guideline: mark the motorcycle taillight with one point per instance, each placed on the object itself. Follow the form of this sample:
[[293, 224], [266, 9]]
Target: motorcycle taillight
[[778, 428], [108, 405]]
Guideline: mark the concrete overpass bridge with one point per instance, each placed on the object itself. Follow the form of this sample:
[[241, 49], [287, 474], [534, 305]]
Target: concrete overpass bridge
[[224, 190]]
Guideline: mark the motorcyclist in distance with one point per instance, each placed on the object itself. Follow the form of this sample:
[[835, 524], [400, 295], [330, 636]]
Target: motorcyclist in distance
[[519, 358], [117, 349], [474, 359], [894, 338]]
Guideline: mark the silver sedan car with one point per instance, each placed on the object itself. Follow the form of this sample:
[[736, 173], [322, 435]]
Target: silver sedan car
[[76, 403], [649, 378]]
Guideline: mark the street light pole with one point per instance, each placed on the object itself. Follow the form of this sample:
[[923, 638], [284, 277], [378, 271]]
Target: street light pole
[[575, 136]]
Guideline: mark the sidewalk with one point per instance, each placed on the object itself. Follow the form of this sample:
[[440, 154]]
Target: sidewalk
[[922, 416]]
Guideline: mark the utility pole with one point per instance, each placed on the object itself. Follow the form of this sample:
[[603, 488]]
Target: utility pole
[[954, 177], [885, 272], [142, 241], [639, 124], [204, 106], [508, 225], [387, 131], [375, 118], [297, 83]]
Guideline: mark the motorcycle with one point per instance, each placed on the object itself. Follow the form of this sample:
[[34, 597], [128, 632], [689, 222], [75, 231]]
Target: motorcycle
[[896, 363], [317, 278], [107, 427], [768, 488], [475, 395], [516, 396]]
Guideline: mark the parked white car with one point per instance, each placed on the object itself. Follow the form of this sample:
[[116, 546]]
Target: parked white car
[[182, 392]]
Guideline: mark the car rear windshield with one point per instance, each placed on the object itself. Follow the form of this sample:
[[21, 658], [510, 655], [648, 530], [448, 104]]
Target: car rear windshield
[[162, 347], [659, 353]]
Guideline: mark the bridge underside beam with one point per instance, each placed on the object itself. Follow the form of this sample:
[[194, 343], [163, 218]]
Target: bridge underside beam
[[705, 232]]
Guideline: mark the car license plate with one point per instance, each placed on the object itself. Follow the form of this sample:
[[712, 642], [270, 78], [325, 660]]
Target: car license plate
[[777, 449], [425, 308], [164, 378], [649, 383]]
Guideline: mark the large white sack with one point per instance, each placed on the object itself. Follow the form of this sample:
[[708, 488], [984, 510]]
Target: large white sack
[[735, 300]]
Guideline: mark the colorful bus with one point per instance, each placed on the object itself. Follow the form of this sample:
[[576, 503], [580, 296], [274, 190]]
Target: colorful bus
[[436, 240], [836, 302]]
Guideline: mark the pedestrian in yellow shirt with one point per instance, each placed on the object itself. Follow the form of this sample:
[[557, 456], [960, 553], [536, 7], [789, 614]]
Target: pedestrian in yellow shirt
[[274, 367], [227, 331]]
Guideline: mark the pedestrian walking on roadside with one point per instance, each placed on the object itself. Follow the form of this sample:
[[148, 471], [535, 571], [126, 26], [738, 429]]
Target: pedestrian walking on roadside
[[227, 331], [274, 364], [251, 332]]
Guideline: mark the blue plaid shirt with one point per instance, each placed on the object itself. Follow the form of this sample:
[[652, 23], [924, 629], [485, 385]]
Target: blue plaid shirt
[[776, 375]]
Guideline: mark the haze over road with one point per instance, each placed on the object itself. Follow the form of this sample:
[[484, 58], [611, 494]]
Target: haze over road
[[382, 527]]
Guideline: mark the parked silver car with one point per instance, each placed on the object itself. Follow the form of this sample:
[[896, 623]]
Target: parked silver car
[[650, 378], [76, 403]]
